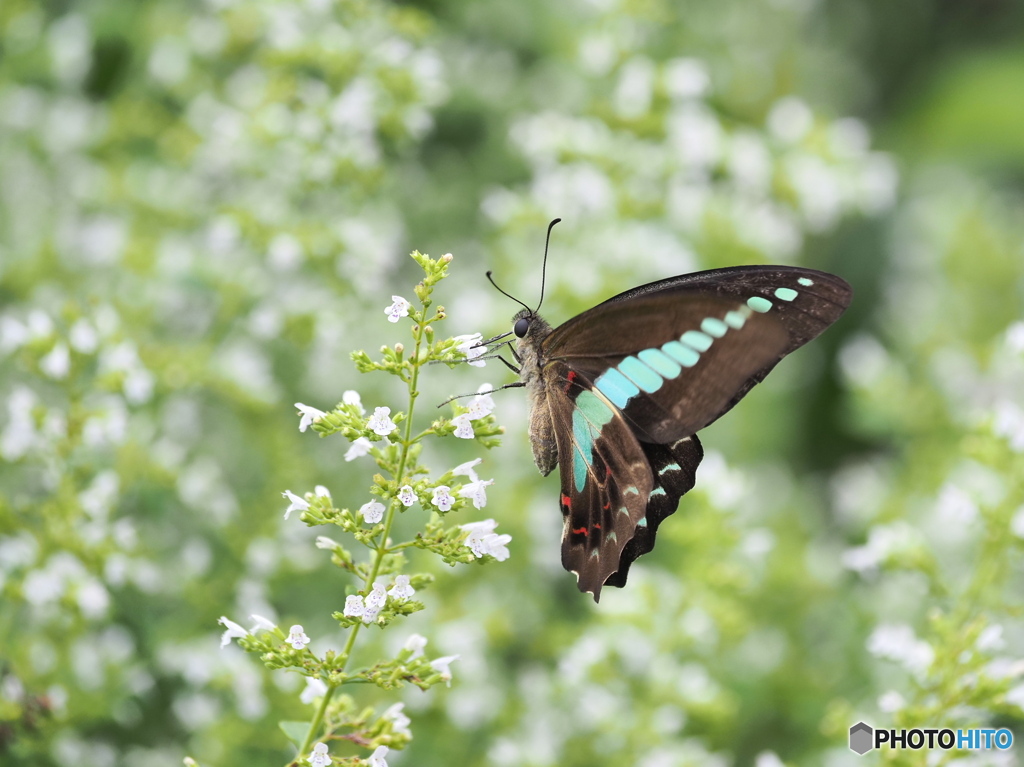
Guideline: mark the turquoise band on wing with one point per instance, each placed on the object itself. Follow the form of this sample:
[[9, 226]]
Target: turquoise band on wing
[[589, 416], [647, 371]]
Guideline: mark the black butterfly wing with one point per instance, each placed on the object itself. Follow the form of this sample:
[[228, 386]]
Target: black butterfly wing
[[675, 355], [616, 489], [674, 468]]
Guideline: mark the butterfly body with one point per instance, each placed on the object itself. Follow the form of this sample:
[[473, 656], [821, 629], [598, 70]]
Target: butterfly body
[[618, 393]]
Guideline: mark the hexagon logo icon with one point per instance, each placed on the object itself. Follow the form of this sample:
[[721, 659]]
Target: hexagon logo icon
[[861, 738]]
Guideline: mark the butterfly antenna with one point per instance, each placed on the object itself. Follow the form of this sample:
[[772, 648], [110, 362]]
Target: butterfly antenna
[[507, 295], [544, 268]]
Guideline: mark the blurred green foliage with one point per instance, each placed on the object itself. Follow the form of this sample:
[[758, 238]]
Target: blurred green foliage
[[204, 208]]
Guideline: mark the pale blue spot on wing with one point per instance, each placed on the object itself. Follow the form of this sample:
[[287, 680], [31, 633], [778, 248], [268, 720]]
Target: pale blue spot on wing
[[805, 282], [658, 491], [736, 320], [588, 416], [684, 355], [714, 327], [579, 470], [669, 467], [642, 522], [661, 363], [624, 510], [616, 387], [595, 553], [697, 340], [785, 294], [593, 408], [640, 374], [611, 536], [631, 489], [759, 304]]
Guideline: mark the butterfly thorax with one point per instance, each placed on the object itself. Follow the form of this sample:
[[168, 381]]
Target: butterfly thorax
[[542, 431]]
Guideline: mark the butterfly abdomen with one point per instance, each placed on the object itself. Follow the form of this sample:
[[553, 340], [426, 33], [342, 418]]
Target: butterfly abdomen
[[542, 430]]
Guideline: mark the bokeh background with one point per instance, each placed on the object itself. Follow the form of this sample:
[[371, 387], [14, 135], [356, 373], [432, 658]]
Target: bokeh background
[[205, 206]]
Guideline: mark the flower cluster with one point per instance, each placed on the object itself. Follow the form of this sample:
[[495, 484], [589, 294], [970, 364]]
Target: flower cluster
[[386, 593]]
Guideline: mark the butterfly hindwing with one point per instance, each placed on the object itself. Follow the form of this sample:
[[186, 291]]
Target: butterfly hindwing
[[616, 490], [674, 468]]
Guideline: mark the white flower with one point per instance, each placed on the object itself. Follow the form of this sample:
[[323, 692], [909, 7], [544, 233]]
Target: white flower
[[481, 528], [354, 607], [955, 506], [375, 602], [884, 542], [380, 422], [897, 642], [482, 404], [377, 757], [991, 638], [1009, 423], [315, 688], [1017, 523], [399, 721], [262, 624], [890, 702], [377, 596], [322, 492], [298, 504], [483, 541], [297, 637], [372, 511], [477, 491], [441, 666], [401, 590], [358, 449], [1015, 696], [351, 397], [466, 469], [442, 497], [57, 363], [407, 496], [1015, 337], [234, 631], [497, 546], [319, 757], [309, 415], [463, 427], [398, 309], [415, 644], [83, 338], [468, 346]]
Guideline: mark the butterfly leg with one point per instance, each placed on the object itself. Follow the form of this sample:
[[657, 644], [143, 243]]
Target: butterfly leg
[[509, 365]]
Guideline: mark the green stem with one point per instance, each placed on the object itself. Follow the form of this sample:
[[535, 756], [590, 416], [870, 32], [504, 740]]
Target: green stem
[[382, 545]]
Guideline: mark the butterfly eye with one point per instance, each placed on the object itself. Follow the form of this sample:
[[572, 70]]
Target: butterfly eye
[[521, 326]]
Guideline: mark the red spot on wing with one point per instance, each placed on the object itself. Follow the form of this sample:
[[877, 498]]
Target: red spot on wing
[[566, 501], [608, 471], [597, 525], [581, 530], [571, 378], [606, 507]]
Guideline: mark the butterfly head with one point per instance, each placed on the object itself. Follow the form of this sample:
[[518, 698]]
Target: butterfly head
[[529, 326]]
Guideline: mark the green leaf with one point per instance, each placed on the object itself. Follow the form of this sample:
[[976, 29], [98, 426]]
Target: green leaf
[[296, 731]]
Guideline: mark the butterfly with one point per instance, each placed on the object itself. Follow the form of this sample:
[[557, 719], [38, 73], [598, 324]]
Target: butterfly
[[618, 393]]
